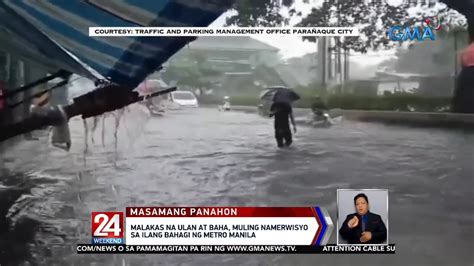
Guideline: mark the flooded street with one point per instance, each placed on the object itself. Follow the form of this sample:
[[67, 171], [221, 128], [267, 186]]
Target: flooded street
[[202, 157]]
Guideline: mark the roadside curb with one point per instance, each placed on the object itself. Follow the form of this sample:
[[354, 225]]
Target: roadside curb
[[417, 119]]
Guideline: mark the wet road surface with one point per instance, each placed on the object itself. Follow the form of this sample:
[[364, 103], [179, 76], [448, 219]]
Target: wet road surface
[[205, 157]]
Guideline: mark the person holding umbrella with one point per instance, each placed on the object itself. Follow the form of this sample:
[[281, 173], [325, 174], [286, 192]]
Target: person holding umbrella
[[282, 112]]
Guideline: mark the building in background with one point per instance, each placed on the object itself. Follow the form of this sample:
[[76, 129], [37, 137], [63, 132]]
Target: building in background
[[229, 65], [236, 54]]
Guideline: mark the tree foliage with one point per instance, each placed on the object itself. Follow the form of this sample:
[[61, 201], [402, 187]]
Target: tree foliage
[[194, 73], [373, 18], [465, 7]]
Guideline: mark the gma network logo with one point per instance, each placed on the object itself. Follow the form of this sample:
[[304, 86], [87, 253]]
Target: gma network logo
[[420, 33]]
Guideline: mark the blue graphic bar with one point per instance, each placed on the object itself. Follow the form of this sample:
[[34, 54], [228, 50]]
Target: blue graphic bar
[[323, 224]]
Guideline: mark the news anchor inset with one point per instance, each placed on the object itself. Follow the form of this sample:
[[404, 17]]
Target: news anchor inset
[[363, 227]]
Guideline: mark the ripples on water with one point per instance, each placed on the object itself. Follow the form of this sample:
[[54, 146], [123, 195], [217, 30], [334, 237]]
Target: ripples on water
[[204, 157]]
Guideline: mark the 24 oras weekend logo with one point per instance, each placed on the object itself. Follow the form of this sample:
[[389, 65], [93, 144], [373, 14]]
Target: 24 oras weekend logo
[[107, 228], [399, 33]]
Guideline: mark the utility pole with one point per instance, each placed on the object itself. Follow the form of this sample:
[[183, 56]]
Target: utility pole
[[323, 55], [455, 59], [329, 51], [339, 64], [346, 65], [338, 43]]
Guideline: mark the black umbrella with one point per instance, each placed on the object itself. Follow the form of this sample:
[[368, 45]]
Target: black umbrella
[[280, 95]]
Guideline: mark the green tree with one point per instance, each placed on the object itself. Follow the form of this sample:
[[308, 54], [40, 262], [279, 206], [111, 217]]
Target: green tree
[[372, 18], [195, 75]]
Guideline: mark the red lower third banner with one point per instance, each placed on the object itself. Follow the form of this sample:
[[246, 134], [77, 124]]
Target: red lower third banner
[[215, 226]]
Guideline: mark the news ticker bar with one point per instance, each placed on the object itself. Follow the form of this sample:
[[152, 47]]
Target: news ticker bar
[[234, 249]]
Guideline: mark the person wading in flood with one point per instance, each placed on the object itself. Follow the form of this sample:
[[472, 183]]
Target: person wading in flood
[[282, 113]]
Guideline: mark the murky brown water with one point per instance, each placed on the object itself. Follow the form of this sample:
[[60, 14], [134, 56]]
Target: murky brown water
[[204, 157]]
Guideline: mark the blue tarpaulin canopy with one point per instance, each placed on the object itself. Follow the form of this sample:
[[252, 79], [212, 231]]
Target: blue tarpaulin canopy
[[56, 32]]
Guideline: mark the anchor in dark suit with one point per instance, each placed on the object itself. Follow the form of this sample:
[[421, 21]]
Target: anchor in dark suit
[[363, 227]]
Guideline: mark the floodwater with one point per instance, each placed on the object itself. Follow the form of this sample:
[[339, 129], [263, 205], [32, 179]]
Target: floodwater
[[205, 157]]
